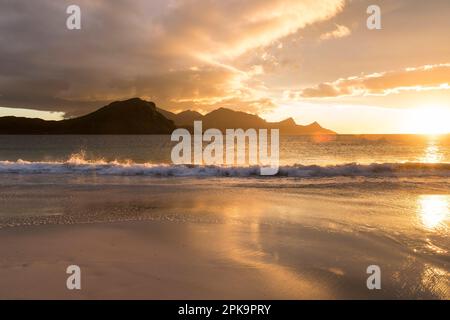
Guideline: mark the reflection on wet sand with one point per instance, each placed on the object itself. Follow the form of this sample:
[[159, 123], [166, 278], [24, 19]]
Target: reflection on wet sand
[[253, 247], [239, 241], [433, 210], [247, 249], [436, 280]]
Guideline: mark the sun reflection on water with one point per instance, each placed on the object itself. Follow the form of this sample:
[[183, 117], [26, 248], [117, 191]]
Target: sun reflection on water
[[433, 210], [433, 153]]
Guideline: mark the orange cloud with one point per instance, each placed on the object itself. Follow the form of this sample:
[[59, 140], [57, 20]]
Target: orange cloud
[[227, 29], [339, 32], [177, 53], [428, 77]]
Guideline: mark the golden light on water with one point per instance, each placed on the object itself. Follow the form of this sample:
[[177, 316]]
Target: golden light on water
[[433, 153], [433, 210]]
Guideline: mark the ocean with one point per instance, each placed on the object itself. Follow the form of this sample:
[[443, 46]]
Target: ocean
[[300, 156], [338, 205]]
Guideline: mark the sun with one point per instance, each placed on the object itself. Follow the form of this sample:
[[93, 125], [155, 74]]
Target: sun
[[430, 120]]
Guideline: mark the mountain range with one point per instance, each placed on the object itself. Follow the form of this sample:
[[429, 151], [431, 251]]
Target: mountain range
[[137, 116]]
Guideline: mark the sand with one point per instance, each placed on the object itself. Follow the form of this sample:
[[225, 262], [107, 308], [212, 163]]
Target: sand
[[231, 240], [136, 260]]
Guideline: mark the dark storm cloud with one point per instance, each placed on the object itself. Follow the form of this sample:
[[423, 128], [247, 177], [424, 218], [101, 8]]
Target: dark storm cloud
[[175, 52]]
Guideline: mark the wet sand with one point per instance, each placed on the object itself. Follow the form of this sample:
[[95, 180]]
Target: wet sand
[[139, 260], [195, 239]]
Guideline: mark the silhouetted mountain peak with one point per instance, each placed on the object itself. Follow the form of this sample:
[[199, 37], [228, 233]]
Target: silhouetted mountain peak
[[134, 100], [315, 124], [132, 116], [288, 122], [224, 118], [223, 110], [134, 103], [137, 116], [232, 113], [189, 112]]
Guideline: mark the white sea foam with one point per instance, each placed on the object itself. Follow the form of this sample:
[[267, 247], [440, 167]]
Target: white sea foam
[[78, 165]]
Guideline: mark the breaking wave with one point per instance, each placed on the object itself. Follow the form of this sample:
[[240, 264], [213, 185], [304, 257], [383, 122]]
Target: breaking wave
[[78, 165]]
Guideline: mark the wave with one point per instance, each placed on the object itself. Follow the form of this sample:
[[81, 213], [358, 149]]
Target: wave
[[77, 165]]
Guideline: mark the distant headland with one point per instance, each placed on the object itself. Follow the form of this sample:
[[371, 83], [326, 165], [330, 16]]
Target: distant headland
[[137, 116]]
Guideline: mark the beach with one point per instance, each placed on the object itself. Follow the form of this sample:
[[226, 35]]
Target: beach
[[223, 238], [225, 150]]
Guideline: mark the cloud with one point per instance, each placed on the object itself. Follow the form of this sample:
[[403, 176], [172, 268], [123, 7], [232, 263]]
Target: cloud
[[340, 32], [226, 29], [178, 52], [428, 77]]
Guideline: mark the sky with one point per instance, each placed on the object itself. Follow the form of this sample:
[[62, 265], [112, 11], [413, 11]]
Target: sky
[[313, 60]]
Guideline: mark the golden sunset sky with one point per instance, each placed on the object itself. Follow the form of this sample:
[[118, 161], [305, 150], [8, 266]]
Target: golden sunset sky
[[313, 60]]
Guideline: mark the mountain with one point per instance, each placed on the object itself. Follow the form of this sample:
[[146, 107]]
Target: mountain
[[289, 127], [224, 118], [167, 114], [136, 116], [228, 119], [182, 119], [187, 118], [16, 125]]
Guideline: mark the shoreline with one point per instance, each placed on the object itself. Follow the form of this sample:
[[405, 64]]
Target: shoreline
[[199, 239]]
